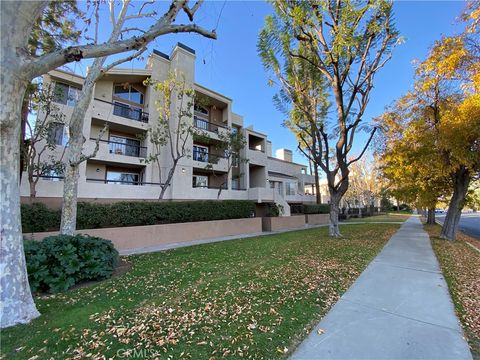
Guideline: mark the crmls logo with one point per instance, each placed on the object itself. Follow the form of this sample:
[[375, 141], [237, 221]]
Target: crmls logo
[[136, 353]]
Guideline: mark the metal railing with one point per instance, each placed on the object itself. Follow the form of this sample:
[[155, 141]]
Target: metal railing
[[127, 111], [122, 182], [119, 148], [205, 125], [223, 187], [206, 157]]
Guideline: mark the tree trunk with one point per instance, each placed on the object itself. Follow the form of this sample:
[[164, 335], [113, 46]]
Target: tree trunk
[[359, 211], [317, 185], [74, 156], [431, 216], [168, 180], [16, 299], [461, 183], [25, 103], [33, 189], [17, 18], [333, 229]]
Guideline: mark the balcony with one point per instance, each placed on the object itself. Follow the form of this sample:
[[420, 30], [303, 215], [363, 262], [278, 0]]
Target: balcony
[[105, 109], [120, 148], [207, 126], [206, 157]]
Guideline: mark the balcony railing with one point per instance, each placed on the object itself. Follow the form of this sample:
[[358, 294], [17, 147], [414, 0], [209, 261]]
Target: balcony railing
[[206, 157], [121, 182], [127, 111], [119, 148], [223, 187], [205, 125]]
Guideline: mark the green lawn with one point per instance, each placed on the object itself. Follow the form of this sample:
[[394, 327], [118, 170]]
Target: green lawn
[[390, 217], [253, 297]]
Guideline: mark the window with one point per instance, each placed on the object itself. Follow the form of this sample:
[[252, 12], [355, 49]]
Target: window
[[200, 153], [123, 178], [124, 146], [200, 181], [235, 160], [236, 183], [53, 175], [129, 93], [58, 134], [290, 188], [66, 94]]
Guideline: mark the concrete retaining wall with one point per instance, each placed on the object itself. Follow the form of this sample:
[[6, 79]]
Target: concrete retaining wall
[[283, 222], [317, 219], [142, 236]]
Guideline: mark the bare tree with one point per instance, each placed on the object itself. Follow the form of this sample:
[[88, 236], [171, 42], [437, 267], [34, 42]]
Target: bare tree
[[19, 68], [42, 137], [120, 26]]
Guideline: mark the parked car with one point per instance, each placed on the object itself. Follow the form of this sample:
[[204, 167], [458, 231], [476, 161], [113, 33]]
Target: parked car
[[439, 211]]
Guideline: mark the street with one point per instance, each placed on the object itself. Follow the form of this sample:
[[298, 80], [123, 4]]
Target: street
[[469, 223]]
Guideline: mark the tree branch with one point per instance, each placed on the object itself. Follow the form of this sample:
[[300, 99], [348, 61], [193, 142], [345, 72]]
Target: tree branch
[[43, 64]]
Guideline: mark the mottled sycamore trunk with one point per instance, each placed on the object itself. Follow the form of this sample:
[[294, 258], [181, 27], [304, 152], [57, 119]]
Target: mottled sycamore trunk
[[431, 216], [74, 153], [16, 302], [461, 182], [334, 212]]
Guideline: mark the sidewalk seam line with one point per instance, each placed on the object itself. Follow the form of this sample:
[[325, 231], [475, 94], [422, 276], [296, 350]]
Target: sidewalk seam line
[[401, 316]]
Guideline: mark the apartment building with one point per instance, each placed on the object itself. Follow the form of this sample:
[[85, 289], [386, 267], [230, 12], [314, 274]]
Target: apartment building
[[127, 107]]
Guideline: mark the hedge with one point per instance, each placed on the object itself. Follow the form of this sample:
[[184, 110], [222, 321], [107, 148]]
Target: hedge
[[316, 209], [38, 218], [58, 262]]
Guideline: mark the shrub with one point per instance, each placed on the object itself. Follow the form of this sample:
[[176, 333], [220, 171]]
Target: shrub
[[37, 217], [316, 209], [274, 210], [136, 213], [58, 262]]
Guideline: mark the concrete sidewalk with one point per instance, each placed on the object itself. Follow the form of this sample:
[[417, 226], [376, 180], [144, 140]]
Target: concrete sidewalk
[[399, 308]]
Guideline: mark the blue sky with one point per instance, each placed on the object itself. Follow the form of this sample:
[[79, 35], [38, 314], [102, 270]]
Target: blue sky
[[230, 65]]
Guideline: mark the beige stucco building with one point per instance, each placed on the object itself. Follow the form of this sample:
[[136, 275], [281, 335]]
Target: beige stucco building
[[127, 106]]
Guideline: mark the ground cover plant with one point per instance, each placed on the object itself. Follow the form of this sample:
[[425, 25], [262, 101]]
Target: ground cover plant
[[459, 264], [252, 298]]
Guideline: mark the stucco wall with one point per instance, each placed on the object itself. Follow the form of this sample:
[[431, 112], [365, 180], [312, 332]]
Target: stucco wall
[[282, 222], [144, 236]]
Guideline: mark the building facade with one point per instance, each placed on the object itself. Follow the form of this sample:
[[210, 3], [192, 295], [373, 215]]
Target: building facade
[[128, 108]]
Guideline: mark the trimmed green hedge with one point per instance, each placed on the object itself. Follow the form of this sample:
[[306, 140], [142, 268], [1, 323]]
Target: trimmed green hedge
[[316, 209], [37, 217], [58, 262]]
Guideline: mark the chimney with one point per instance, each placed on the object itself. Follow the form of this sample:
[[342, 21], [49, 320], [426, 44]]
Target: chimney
[[284, 154]]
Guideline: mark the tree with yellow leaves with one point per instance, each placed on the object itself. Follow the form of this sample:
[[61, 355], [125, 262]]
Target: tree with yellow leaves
[[433, 133]]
